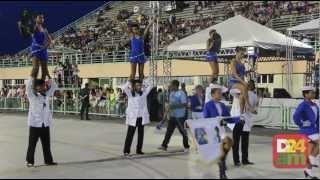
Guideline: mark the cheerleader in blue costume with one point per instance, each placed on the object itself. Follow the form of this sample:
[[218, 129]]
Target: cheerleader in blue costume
[[213, 48], [41, 40], [237, 79], [306, 117], [137, 54]]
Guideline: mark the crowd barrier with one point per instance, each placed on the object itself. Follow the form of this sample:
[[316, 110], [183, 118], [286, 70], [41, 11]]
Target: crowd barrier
[[67, 106], [278, 117]]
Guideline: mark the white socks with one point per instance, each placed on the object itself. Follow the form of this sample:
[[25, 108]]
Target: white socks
[[314, 160], [318, 160]]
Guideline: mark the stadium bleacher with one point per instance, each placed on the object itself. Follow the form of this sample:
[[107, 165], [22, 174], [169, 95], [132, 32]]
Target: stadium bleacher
[[218, 12]]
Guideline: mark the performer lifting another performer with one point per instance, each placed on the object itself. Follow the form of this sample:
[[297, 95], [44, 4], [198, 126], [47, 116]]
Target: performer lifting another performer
[[39, 119], [237, 79], [137, 112], [137, 54], [215, 108], [241, 132], [306, 117], [213, 47], [41, 40]]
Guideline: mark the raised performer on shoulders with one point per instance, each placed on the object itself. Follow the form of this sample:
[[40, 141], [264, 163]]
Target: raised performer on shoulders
[[41, 40], [213, 48], [237, 79], [137, 47], [306, 117], [40, 119]]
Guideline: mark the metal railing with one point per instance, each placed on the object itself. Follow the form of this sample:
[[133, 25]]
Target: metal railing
[[78, 58], [284, 22], [123, 56], [68, 106], [279, 117]]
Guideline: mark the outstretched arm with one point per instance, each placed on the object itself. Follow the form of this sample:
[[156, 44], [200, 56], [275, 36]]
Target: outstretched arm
[[148, 27], [29, 88], [53, 87], [20, 25], [123, 26], [148, 86], [49, 39], [126, 88]]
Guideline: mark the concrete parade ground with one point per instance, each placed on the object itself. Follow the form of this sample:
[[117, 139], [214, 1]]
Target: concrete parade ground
[[93, 149]]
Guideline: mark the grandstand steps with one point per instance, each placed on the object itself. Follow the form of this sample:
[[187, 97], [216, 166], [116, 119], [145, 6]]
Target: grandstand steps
[[218, 11]]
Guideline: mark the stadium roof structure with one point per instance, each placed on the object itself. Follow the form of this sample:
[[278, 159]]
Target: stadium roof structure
[[310, 27], [240, 31]]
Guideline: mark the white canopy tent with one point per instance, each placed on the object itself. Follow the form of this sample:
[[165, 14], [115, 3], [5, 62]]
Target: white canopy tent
[[311, 26], [239, 31]]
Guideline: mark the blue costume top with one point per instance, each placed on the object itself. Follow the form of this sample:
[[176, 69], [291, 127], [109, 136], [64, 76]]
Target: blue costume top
[[39, 40], [137, 50], [241, 69], [212, 52], [306, 119], [196, 105], [210, 111]]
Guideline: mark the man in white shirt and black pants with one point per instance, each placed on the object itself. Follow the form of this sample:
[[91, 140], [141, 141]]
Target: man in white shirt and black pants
[[39, 119], [137, 114], [242, 130]]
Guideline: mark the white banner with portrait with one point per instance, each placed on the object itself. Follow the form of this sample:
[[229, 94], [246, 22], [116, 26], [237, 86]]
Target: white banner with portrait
[[206, 133]]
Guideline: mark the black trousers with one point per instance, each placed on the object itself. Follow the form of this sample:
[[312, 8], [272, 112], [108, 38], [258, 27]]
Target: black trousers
[[44, 134], [172, 124], [85, 109], [130, 135], [240, 135]]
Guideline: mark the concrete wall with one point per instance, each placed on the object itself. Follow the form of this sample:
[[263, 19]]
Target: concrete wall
[[179, 68]]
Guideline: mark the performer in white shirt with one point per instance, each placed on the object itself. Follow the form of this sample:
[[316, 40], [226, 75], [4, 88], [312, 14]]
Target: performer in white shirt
[[241, 131], [39, 119], [137, 114]]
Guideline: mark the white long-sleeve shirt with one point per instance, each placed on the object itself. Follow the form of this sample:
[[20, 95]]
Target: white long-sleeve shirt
[[253, 101], [137, 105], [39, 108]]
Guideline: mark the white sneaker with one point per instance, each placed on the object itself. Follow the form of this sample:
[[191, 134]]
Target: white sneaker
[[308, 174], [186, 150], [29, 165]]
